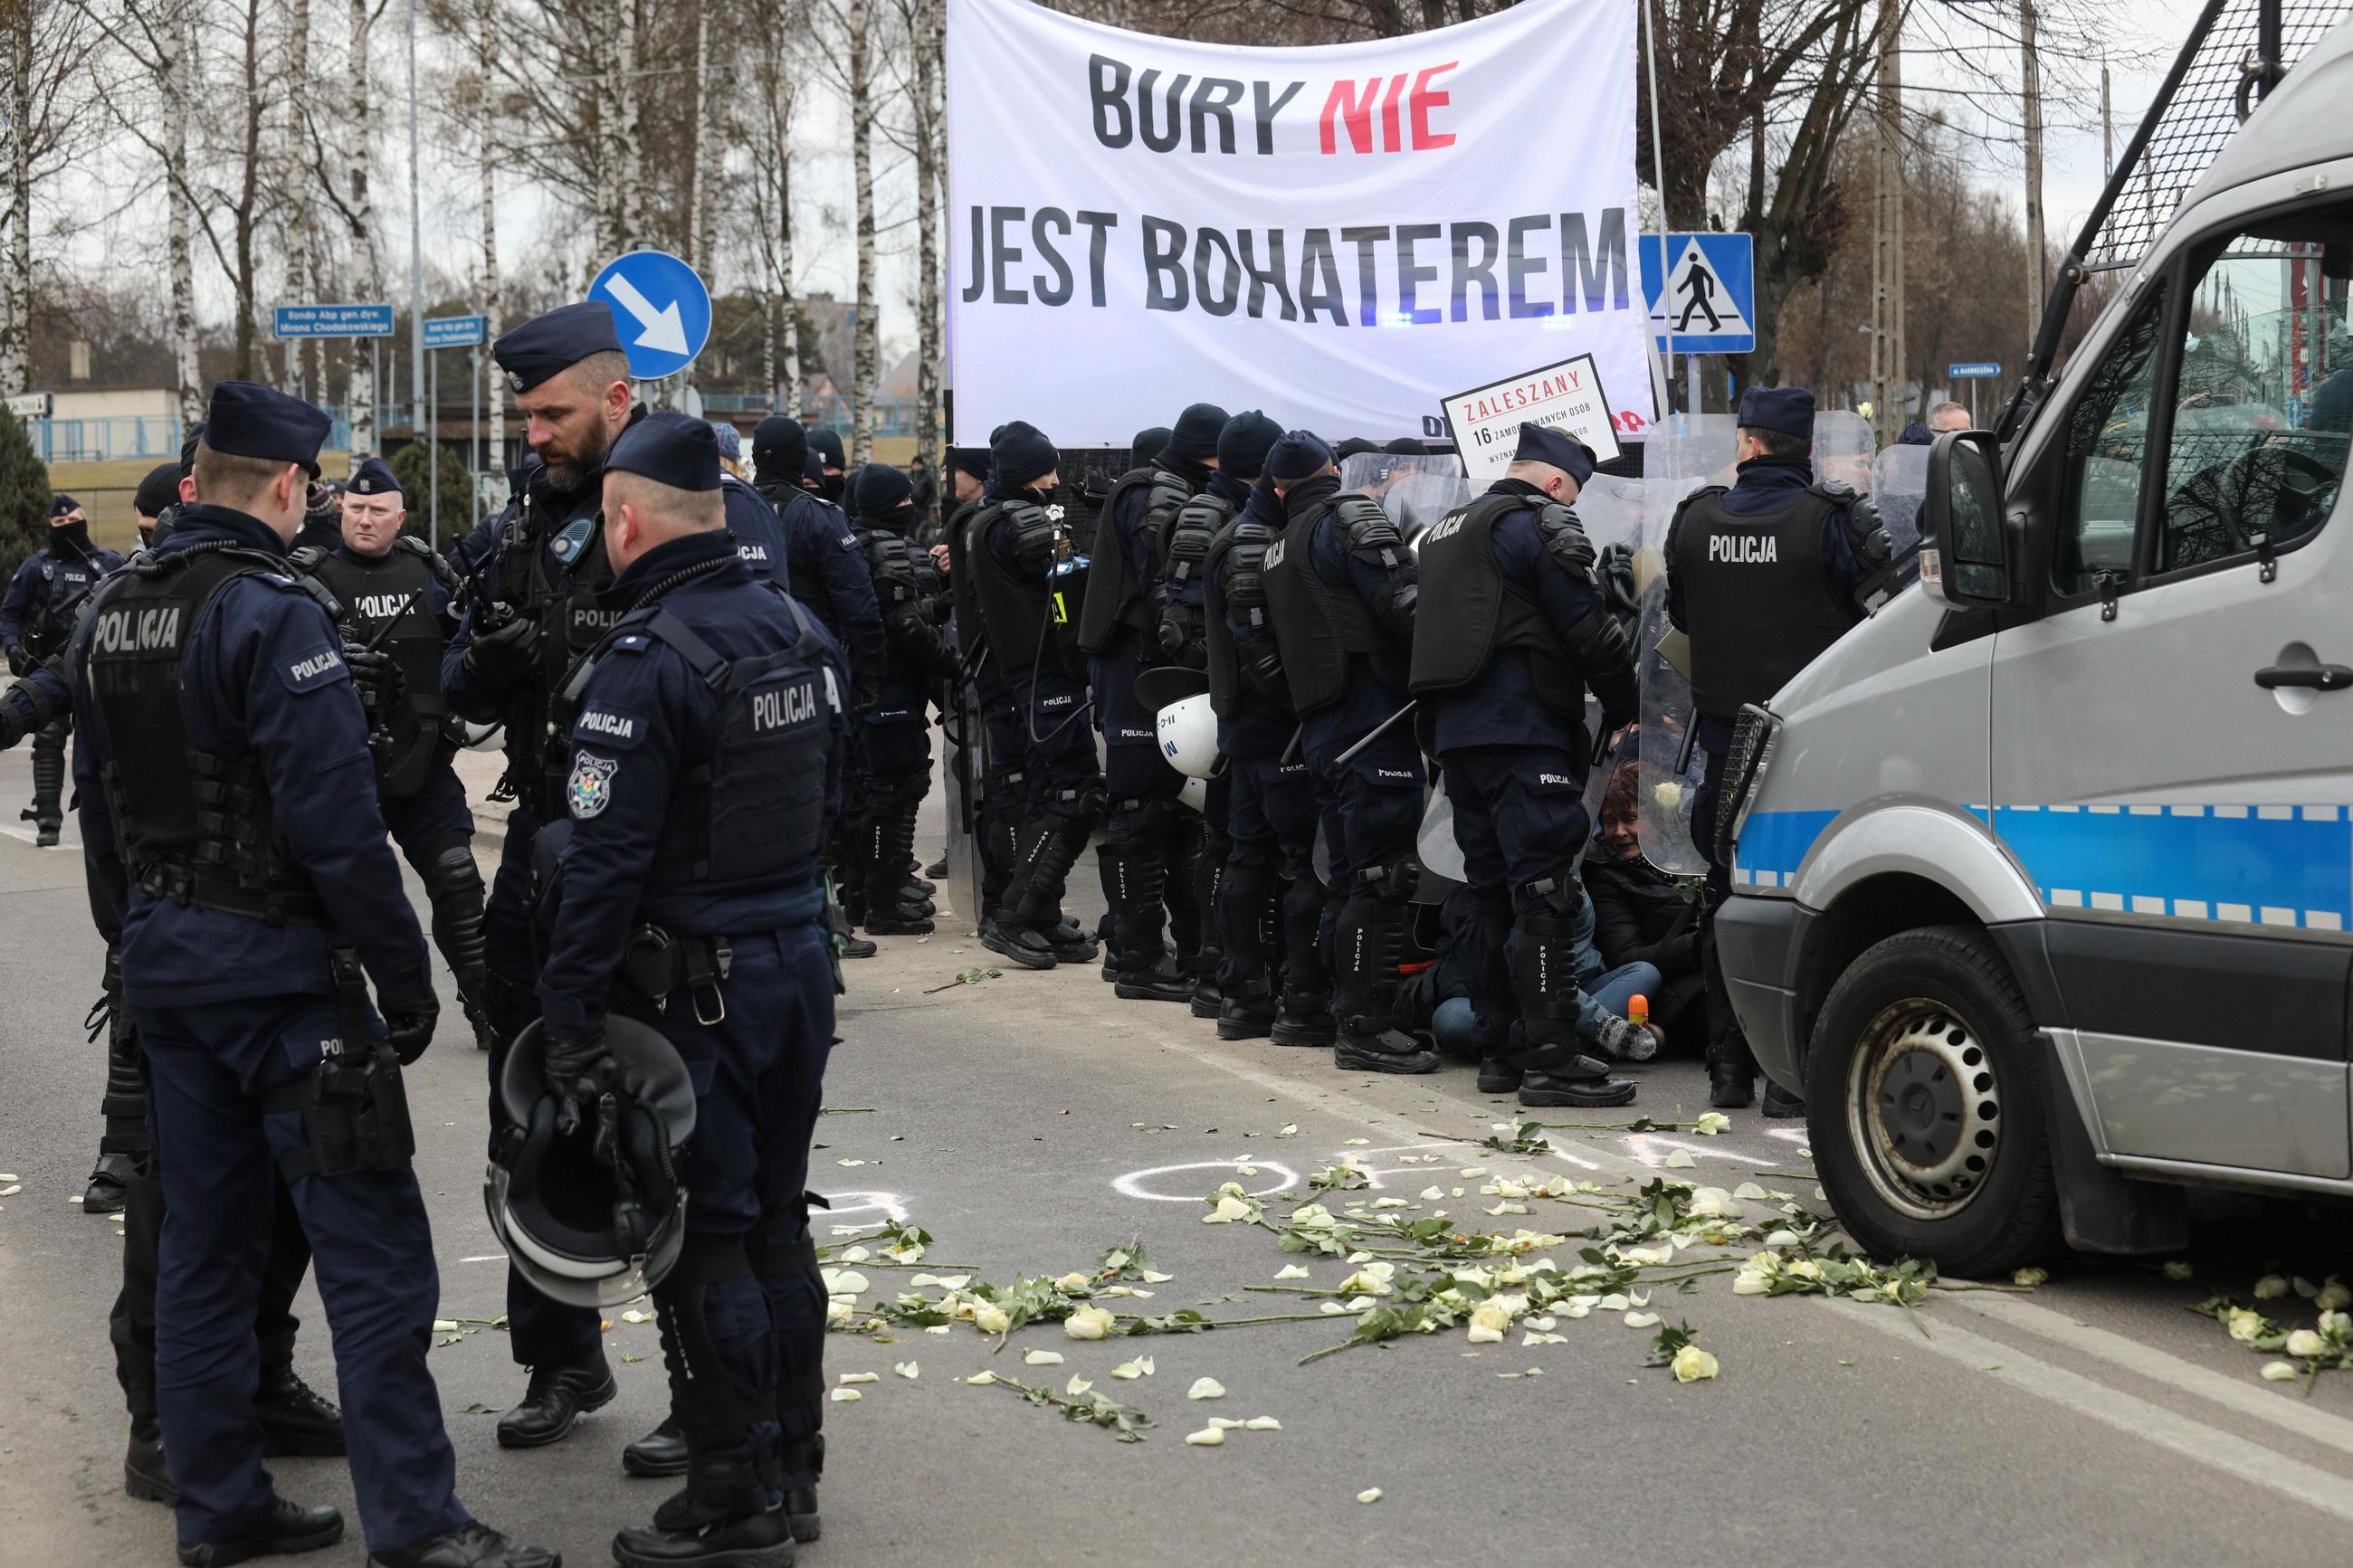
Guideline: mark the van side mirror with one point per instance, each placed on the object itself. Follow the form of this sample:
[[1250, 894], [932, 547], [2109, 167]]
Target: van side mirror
[[1964, 561]]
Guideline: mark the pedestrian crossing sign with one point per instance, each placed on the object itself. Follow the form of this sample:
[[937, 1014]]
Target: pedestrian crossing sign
[[1702, 290]]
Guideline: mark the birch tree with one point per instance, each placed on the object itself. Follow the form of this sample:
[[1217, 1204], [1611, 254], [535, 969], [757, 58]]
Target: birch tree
[[861, 153], [486, 43], [775, 87]]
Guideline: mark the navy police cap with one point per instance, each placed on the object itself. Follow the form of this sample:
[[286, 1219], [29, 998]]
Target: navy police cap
[[1543, 443], [1787, 410], [556, 342], [62, 505], [246, 420], [373, 477], [669, 449]]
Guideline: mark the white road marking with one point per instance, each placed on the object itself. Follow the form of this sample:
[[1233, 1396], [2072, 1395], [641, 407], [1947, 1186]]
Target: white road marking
[[486, 1257], [2194, 1440], [32, 836], [1131, 1185]]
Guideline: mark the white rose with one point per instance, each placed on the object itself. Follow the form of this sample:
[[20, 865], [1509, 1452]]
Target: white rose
[[2269, 1287], [1488, 1323], [1669, 794], [1711, 1122], [1072, 1281], [1693, 1364], [2333, 1297], [990, 1319], [1229, 1209], [2305, 1343], [1712, 1203], [1089, 1323], [2245, 1324]]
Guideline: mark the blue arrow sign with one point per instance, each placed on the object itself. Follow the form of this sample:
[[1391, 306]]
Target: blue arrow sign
[[333, 320], [1704, 286], [660, 307], [455, 332], [1976, 369]]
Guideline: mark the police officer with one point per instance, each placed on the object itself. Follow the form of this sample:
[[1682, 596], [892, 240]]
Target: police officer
[[825, 475], [1340, 594], [36, 614], [759, 532], [1120, 630], [705, 743], [224, 803], [158, 494], [896, 732], [534, 604], [1512, 631], [393, 594], [322, 518], [1022, 577], [1270, 802], [1763, 577]]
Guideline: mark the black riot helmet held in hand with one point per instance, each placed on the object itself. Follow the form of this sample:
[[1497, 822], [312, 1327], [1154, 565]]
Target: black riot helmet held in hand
[[596, 1216]]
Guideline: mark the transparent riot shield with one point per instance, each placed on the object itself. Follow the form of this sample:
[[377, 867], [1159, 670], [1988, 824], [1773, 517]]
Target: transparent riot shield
[[1843, 447], [963, 773], [1435, 847], [1416, 491], [1899, 477]]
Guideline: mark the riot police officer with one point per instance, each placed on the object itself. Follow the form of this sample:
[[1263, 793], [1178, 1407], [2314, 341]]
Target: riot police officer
[[759, 531], [825, 475], [533, 605], [896, 732], [1023, 579], [1763, 577], [158, 492], [236, 842], [1270, 804], [36, 614], [1340, 594], [1120, 629], [1511, 632], [393, 594], [704, 737]]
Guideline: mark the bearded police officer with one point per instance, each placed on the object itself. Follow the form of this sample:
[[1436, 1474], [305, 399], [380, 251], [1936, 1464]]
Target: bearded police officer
[[1020, 565], [705, 738], [393, 594], [36, 615], [533, 607], [1341, 592], [896, 732], [1763, 577], [1269, 802], [226, 804], [1511, 632], [1119, 628]]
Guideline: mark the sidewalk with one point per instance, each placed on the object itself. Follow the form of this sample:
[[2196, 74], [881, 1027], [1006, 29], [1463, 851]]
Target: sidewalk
[[479, 771]]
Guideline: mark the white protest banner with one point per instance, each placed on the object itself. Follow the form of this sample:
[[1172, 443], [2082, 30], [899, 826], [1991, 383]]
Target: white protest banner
[[1485, 421], [1339, 235]]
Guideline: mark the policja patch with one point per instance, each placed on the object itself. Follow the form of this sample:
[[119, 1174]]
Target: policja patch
[[590, 788]]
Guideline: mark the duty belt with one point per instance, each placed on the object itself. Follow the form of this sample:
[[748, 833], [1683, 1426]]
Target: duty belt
[[657, 961], [184, 885]]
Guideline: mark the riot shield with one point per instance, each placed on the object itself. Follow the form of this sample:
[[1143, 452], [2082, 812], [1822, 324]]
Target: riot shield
[[1416, 491], [963, 773], [1434, 847], [1842, 449], [1899, 477]]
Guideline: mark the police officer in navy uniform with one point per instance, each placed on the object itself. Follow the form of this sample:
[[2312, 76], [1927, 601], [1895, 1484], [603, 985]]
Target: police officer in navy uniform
[[704, 736], [36, 614], [1763, 577], [1513, 631], [1145, 838], [1271, 898], [533, 605], [759, 531], [394, 595], [824, 474], [1023, 579], [896, 731], [223, 781], [1341, 592], [158, 492]]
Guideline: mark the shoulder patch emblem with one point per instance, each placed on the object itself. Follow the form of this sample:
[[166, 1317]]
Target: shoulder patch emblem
[[590, 788], [317, 667]]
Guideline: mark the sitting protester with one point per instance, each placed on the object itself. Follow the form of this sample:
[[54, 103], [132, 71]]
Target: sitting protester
[[1641, 915]]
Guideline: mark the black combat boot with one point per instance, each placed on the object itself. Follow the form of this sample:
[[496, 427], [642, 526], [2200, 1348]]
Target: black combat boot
[[109, 1183], [1556, 1070], [290, 1528], [1781, 1105], [660, 1452], [1009, 933], [470, 1545], [1135, 880], [294, 1418], [724, 1518], [147, 1474], [556, 1401], [893, 905], [1371, 933]]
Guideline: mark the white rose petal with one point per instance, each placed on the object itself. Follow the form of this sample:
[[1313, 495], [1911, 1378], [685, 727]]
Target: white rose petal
[[1750, 1190], [981, 1379], [2245, 1324], [1073, 1282], [1206, 1438], [1642, 1320], [1370, 1494], [2336, 1324], [1332, 1309], [1227, 1422], [2030, 1276], [1076, 1386], [1290, 1271], [2305, 1343], [1289, 1129], [2178, 1269], [847, 1396], [1152, 1277], [632, 1315], [1206, 1388], [1356, 1143], [2269, 1287], [1042, 1358], [908, 1369], [854, 1255], [2333, 1297], [1229, 1209], [2279, 1372], [1128, 1371], [1263, 1424], [1680, 1160], [847, 1378], [939, 1328]]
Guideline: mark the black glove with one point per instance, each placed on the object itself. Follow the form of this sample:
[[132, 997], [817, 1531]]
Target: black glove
[[503, 657], [19, 661], [1616, 574], [377, 675], [408, 1025], [1866, 536], [577, 1069]]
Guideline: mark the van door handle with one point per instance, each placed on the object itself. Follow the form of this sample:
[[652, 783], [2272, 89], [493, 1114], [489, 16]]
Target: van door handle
[[2319, 677]]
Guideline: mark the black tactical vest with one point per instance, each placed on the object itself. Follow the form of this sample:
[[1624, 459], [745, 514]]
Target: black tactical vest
[[196, 826], [67, 582], [1469, 610], [571, 622], [394, 590], [755, 807], [1016, 609], [1755, 598], [963, 591], [1243, 543], [1316, 624], [1116, 598]]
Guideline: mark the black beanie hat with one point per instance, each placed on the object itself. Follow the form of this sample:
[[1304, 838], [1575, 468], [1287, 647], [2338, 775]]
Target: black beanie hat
[[159, 489], [779, 448], [1196, 432], [973, 460], [1021, 453], [880, 491], [1296, 456], [1243, 444], [1149, 443]]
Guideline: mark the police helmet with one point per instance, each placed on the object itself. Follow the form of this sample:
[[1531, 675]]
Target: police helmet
[[582, 1229], [1194, 794], [1187, 731]]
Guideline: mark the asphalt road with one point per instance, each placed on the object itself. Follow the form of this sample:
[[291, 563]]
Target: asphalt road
[[2092, 1421]]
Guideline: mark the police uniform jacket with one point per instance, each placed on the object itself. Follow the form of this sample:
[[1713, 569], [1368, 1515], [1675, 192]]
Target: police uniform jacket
[[1375, 685], [1258, 725], [759, 532], [38, 604], [650, 789], [263, 677], [826, 571]]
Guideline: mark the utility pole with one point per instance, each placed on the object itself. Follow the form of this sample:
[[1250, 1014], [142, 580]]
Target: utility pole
[[1888, 390], [416, 251], [2038, 281]]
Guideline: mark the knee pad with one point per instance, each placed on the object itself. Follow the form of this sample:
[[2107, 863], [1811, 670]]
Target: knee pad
[[718, 1342]]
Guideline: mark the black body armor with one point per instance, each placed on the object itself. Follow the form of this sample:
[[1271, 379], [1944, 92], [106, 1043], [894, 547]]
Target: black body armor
[[1479, 612], [1116, 598], [1318, 625], [1244, 543], [1755, 596], [398, 589]]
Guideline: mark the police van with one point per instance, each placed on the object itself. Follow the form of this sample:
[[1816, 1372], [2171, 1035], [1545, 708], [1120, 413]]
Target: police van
[[2043, 877]]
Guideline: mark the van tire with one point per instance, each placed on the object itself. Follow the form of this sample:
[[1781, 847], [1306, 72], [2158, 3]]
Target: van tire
[[1925, 1096]]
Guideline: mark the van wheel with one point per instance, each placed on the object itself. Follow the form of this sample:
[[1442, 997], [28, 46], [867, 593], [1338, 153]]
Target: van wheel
[[1924, 1104]]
